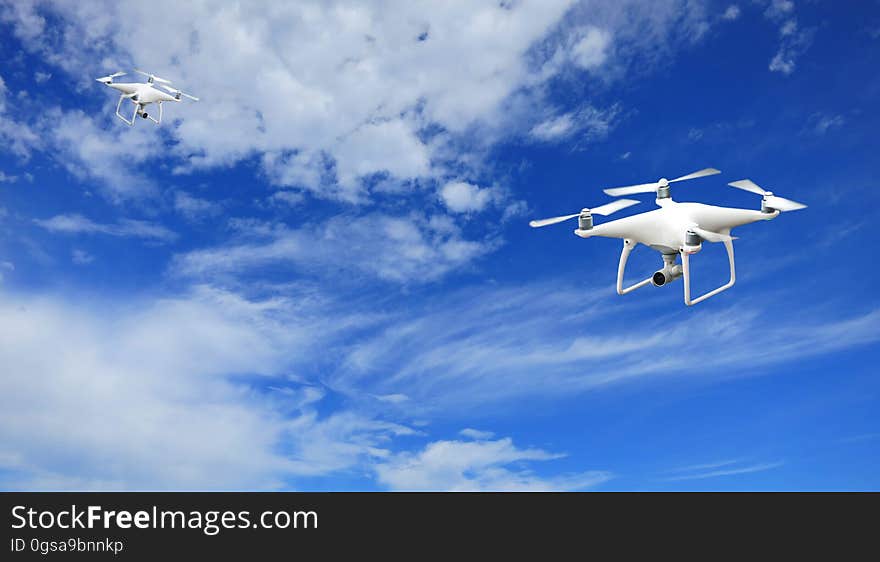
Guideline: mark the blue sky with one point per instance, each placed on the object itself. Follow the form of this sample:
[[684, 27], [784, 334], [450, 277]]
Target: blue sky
[[320, 276]]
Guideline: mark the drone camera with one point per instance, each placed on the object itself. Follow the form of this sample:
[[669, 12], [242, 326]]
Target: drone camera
[[670, 272], [665, 276]]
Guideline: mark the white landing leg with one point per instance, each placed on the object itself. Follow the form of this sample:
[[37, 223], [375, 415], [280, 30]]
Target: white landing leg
[[124, 120], [628, 246], [159, 120], [686, 269]]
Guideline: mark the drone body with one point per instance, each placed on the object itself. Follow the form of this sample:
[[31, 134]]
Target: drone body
[[675, 229], [141, 94]]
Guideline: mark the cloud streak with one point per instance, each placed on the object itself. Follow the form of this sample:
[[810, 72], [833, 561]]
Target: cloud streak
[[478, 466], [731, 471], [130, 228]]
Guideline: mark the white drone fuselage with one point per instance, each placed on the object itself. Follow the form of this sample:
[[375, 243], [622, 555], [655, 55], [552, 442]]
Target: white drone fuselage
[[144, 93], [664, 229]]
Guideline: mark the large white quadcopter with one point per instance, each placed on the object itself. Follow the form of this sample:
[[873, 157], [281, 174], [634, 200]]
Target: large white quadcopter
[[675, 228], [142, 94]]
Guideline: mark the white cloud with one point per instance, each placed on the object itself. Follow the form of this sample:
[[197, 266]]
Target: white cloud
[[390, 146], [393, 398], [81, 257], [704, 466], [195, 208], [463, 197], [822, 123], [794, 41], [5, 265], [724, 469], [160, 394], [779, 9], [18, 136], [485, 345], [476, 434], [592, 49], [79, 144], [78, 224], [588, 122], [731, 13], [105, 152], [326, 94], [478, 466], [407, 248], [555, 127], [40, 77], [331, 78], [290, 198]]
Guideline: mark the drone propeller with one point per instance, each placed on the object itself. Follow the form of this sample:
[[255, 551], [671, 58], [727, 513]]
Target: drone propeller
[[152, 77], [662, 182], [177, 93], [108, 79], [770, 200], [604, 210]]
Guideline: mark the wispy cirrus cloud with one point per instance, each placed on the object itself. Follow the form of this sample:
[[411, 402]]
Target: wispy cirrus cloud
[[719, 469], [485, 345], [406, 249], [794, 40], [483, 465], [166, 388], [78, 224]]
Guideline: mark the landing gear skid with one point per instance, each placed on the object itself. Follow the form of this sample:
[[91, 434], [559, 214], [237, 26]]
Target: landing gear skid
[[137, 111], [686, 268], [629, 245]]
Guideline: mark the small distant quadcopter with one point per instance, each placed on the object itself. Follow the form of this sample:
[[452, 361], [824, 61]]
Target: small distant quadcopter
[[674, 229], [142, 94]]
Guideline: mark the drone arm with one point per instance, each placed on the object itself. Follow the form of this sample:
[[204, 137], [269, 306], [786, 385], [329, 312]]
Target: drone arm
[[118, 106], [686, 270], [628, 246]]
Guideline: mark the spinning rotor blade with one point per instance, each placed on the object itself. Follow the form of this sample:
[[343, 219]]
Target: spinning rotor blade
[[109, 78], [649, 187], [632, 189], [153, 77], [783, 204], [698, 174], [603, 210], [613, 207], [554, 220], [177, 92], [774, 202], [748, 185]]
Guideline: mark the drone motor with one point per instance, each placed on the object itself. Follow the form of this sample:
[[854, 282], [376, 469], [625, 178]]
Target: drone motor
[[585, 220], [692, 242]]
